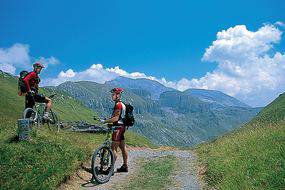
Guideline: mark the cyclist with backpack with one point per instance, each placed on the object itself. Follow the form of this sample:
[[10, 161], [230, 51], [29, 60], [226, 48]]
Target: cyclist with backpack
[[29, 86], [117, 119]]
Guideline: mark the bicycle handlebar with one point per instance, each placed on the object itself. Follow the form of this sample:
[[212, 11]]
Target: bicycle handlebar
[[53, 95], [109, 129]]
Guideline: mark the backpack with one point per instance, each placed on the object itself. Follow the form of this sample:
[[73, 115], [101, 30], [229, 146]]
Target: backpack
[[21, 84], [129, 119]]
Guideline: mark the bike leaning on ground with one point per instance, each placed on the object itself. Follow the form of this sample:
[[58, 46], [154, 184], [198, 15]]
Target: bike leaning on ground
[[36, 114]]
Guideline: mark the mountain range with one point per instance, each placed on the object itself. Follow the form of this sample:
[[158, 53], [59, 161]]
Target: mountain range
[[164, 115]]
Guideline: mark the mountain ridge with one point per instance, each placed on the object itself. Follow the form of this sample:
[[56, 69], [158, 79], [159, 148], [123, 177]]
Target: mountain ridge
[[175, 119], [156, 89]]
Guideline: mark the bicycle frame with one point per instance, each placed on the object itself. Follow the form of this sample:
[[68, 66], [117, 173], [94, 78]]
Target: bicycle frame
[[108, 142], [36, 108]]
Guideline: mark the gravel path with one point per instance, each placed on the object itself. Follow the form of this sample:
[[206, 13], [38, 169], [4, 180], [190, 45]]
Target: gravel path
[[185, 176]]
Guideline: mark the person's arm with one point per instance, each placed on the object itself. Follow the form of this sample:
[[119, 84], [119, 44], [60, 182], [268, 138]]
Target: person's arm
[[115, 117], [27, 79]]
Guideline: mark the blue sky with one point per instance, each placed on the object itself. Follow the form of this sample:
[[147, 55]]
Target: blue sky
[[158, 38]]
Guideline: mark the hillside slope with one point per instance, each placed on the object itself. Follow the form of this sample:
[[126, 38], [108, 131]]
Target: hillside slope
[[217, 97], [252, 157], [50, 157]]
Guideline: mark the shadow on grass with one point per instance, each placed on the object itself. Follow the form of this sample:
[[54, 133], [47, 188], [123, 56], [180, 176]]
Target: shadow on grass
[[14, 139]]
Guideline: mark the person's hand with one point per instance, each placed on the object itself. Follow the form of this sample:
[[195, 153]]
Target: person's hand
[[102, 121], [31, 92]]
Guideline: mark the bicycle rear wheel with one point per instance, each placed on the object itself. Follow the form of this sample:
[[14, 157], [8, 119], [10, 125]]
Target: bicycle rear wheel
[[102, 165], [54, 123], [31, 114]]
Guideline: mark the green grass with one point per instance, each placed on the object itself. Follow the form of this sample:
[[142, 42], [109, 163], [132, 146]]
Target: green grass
[[154, 174], [252, 157], [45, 161], [49, 158]]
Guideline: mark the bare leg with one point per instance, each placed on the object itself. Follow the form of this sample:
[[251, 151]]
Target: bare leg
[[124, 152], [48, 104], [115, 149]]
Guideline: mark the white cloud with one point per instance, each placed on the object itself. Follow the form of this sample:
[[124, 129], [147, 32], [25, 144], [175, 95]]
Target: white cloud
[[96, 73], [134, 75], [14, 57], [239, 44], [68, 74], [248, 68], [48, 61], [17, 57], [7, 68], [279, 23]]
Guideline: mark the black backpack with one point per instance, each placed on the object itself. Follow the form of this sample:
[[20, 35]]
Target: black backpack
[[129, 119], [21, 84]]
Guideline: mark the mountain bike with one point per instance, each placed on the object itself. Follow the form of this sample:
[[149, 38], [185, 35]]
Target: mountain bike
[[103, 159], [36, 114]]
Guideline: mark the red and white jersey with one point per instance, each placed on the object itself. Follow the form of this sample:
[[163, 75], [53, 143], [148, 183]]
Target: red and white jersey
[[120, 106]]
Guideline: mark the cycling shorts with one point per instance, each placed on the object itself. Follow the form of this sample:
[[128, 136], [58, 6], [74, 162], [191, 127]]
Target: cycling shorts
[[118, 135]]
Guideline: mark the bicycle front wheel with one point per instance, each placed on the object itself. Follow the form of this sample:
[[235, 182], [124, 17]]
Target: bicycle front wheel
[[103, 164]]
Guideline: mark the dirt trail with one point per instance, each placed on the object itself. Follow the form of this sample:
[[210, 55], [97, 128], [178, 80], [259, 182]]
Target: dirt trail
[[185, 177]]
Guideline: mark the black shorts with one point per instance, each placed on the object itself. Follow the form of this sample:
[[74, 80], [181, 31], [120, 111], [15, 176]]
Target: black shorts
[[32, 99]]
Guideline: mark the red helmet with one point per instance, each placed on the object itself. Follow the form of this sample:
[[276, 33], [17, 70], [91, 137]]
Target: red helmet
[[38, 64], [117, 90]]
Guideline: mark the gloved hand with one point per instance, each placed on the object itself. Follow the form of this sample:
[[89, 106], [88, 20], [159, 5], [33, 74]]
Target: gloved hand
[[31, 92]]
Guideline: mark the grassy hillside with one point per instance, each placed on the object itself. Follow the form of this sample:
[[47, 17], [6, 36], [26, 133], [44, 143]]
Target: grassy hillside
[[252, 157], [50, 157]]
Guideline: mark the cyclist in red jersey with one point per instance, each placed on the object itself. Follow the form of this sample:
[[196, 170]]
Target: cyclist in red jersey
[[32, 81], [118, 137]]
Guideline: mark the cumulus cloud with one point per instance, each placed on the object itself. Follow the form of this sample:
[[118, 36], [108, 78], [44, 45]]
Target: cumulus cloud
[[239, 44], [248, 68], [48, 61], [134, 75], [68, 74], [279, 23], [17, 57], [96, 73], [7, 68]]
